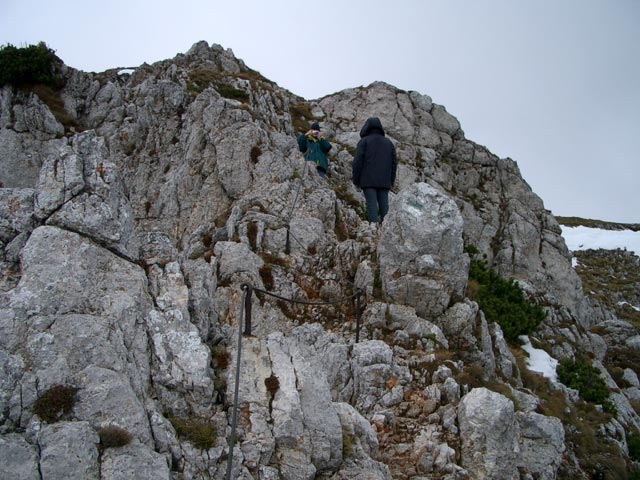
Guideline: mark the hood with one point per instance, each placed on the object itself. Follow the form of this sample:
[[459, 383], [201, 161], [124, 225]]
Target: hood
[[372, 124]]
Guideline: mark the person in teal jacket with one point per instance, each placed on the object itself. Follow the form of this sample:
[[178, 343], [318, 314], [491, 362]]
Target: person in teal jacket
[[315, 148]]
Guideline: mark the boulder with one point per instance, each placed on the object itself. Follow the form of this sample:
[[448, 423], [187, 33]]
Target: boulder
[[133, 461], [541, 444], [489, 435], [377, 381], [18, 459], [420, 252], [69, 450]]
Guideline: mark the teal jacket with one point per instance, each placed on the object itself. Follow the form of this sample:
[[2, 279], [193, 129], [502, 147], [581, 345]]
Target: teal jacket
[[315, 150]]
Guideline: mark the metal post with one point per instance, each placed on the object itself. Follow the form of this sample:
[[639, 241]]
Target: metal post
[[287, 245], [234, 417], [358, 292], [247, 307]]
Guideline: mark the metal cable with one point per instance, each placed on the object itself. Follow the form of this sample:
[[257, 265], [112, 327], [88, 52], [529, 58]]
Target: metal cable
[[302, 302]]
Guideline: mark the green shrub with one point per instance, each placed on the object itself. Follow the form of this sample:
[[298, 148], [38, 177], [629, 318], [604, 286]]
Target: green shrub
[[581, 376], [56, 402], [114, 436], [503, 302], [33, 69], [229, 91], [633, 441], [34, 64]]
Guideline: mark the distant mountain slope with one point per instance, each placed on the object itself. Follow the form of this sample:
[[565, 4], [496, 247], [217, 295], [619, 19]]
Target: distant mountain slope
[[606, 260], [586, 222]]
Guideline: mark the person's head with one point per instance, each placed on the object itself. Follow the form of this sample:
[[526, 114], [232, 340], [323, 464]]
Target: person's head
[[315, 129], [371, 125]]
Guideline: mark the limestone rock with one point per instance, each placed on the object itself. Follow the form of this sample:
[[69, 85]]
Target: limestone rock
[[237, 262], [420, 252], [18, 459], [81, 190], [489, 435], [358, 427], [16, 209], [69, 449], [133, 461], [541, 444], [106, 397], [377, 381]]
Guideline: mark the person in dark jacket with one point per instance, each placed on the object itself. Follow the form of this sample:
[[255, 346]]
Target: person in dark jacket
[[315, 148], [374, 168]]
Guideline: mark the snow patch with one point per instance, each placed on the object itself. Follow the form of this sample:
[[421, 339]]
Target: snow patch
[[584, 238], [539, 360], [622, 304]]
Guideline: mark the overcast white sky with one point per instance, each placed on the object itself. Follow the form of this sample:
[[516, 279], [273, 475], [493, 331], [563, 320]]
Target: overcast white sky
[[553, 84]]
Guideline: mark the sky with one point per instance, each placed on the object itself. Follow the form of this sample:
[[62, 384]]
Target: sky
[[552, 84]]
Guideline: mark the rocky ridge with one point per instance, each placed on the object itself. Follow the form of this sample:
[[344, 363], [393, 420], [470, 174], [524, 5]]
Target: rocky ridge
[[126, 241]]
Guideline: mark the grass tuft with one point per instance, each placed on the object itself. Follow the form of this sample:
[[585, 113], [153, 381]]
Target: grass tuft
[[272, 383], [114, 436], [266, 274], [256, 151], [220, 357], [56, 402], [201, 432]]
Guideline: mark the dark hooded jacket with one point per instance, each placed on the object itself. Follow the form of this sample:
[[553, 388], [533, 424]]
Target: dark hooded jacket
[[374, 164]]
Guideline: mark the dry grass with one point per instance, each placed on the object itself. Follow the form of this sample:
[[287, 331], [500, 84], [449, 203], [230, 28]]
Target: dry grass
[[220, 357], [301, 117], [199, 431], [252, 234], [55, 403], [114, 436], [273, 384], [53, 100], [266, 274], [203, 78], [256, 151]]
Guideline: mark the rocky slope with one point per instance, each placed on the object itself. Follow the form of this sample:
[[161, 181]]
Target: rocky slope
[[128, 232]]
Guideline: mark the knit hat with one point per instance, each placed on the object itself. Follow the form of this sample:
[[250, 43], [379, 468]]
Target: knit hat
[[315, 126]]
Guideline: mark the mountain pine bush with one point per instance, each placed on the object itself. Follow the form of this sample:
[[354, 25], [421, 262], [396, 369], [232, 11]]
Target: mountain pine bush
[[34, 64], [581, 376], [503, 302]]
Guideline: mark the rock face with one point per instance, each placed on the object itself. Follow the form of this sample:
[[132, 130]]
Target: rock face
[[126, 240]]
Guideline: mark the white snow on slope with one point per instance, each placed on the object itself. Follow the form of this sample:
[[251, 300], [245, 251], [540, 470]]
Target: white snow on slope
[[539, 360], [584, 238]]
